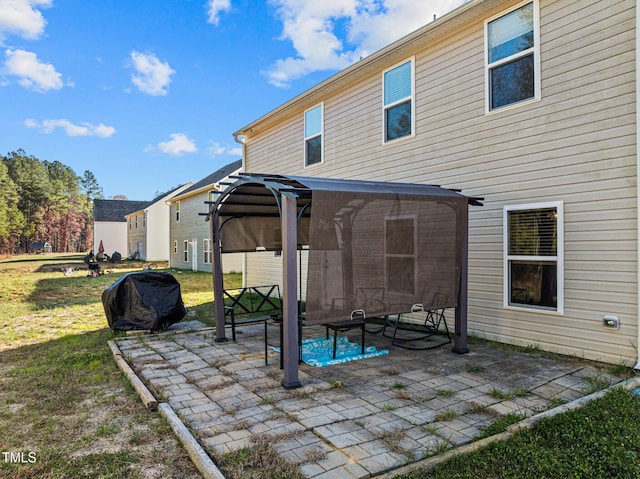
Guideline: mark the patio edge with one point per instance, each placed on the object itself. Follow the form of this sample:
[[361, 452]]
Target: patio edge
[[431, 462]]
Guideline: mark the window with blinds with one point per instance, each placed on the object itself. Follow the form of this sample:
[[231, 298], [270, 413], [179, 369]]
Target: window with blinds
[[398, 101], [313, 136], [512, 57], [533, 256]]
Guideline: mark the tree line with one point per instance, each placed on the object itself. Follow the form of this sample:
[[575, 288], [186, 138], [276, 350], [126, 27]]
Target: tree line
[[45, 201]]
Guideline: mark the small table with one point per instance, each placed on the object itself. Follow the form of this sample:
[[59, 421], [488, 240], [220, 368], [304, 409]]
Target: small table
[[341, 326]]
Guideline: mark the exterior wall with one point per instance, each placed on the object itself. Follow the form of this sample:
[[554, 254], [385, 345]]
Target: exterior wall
[[576, 145], [136, 233], [113, 236], [193, 226], [157, 232]]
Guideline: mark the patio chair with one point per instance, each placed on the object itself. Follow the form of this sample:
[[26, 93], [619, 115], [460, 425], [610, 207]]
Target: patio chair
[[418, 336]]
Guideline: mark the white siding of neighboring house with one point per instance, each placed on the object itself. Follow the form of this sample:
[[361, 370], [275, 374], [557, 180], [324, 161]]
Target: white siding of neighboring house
[[576, 145], [113, 236], [157, 231]]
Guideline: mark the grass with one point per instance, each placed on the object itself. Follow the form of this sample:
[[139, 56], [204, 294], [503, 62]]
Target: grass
[[600, 440], [61, 395]]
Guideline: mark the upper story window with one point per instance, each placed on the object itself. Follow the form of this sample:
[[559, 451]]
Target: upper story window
[[534, 272], [313, 136], [512, 57], [177, 211], [136, 221], [144, 220], [398, 101]]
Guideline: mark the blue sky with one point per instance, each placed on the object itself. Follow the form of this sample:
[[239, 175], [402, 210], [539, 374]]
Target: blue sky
[[147, 93]]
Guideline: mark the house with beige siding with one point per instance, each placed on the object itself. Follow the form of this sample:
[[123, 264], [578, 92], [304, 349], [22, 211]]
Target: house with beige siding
[[110, 224], [190, 235], [531, 105], [148, 228]]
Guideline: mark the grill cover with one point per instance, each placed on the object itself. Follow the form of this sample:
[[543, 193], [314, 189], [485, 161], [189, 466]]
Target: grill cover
[[147, 300]]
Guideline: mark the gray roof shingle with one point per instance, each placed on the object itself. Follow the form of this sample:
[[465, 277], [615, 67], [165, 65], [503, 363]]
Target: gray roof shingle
[[115, 210]]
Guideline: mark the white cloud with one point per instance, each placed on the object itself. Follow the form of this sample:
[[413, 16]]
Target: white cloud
[[21, 17], [318, 31], [32, 73], [214, 8], [151, 76], [84, 129], [178, 144], [216, 149]]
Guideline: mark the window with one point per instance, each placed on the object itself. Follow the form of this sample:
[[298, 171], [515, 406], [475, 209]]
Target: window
[[313, 136], [512, 57], [186, 251], [177, 211], [144, 220], [398, 101], [175, 247], [129, 222], [206, 250], [534, 272], [400, 254], [136, 221]]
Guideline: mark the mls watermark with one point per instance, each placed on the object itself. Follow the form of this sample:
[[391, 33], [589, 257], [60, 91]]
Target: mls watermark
[[19, 457]]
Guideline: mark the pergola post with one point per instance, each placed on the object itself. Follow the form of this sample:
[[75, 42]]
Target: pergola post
[[289, 229], [460, 341], [218, 294]]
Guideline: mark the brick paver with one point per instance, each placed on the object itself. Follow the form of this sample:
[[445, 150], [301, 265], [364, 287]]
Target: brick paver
[[352, 420]]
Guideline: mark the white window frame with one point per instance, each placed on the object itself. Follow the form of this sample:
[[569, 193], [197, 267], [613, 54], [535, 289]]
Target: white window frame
[[185, 252], [177, 211], [411, 97], [558, 259], [536, 59], [314, 135], [206, 251]]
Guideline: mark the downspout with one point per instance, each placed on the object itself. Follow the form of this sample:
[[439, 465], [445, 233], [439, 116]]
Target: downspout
[[241, 140], [637, 366]]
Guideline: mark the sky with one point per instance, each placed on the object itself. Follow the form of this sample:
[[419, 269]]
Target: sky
[[146, 94]]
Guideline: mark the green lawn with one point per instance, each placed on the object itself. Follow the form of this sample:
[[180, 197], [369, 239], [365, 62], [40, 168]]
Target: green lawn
[[65, 408], [66, 411]]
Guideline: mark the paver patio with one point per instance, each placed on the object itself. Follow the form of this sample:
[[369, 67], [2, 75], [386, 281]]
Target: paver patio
[[357, 419]]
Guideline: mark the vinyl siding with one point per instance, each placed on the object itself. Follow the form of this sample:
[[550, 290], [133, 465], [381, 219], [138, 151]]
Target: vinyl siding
[[190, 226], [576, 145], [137, 234]]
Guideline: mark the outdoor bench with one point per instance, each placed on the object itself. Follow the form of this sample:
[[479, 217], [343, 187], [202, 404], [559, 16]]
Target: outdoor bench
[[253, 304]]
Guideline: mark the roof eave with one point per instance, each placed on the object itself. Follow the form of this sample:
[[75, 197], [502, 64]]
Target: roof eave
[[432, 30]]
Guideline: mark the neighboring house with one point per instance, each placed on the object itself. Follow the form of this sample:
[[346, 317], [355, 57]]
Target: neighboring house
[[148, 228], [530, 105], [40, 247], [190, 236], [110, 226]]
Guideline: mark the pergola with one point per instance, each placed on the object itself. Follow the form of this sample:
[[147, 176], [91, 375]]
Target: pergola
[[407, 242]]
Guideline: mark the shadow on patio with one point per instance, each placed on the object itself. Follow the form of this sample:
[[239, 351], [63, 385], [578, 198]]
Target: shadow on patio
[[358, 419]]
